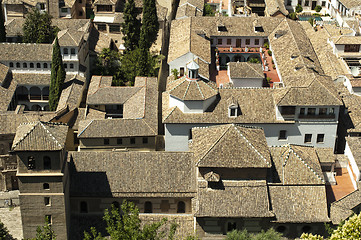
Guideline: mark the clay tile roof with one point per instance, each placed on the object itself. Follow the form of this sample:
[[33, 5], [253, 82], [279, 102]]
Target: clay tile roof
[[299, 204], [273, 6], [353, 104], [237, 199], [245, 70], [296, 165], [186, 89], [7, 92], [25, 52], [32, 78], [120, 174], [325, 155], [343, 208], [40, 136], [342, 40], [230, 146], [351, 3], [72, 93], [4, 70]]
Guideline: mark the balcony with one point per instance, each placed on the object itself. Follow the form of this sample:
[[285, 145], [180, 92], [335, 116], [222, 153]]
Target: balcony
[[323, 116]]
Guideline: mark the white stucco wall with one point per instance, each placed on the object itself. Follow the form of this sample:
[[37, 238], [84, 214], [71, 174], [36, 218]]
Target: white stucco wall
[[247, 82], [191, 106], [352, 161], [234, 41], [181, 62]]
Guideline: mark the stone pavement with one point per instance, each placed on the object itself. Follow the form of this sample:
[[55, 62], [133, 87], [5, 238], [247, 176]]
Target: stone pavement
[[12, 220]]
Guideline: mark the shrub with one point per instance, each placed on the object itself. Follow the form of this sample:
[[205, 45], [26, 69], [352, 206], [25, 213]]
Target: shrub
[[310, 236], [208, 10], [268, 79], [318, 8], [270, 52], [311, 21], [293, 16], [299, 8], [266, 45]]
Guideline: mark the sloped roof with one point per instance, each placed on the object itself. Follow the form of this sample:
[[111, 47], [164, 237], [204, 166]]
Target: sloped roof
[[299, 204], [296, 165], [343, 208], [325, 155], [40, 136], [351, 3], [32, 78], [26, 52], [191, 89], [72, 93], [190, 8], [120, 174], [353, 104], [274, 6], [237, 199], [230, 146], [245, 70], [342, 40], [7, 92], [4, 70]]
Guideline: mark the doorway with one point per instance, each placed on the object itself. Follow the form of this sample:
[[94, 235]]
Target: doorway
[[314, 4]]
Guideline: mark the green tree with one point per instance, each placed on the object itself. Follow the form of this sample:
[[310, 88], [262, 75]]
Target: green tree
[[4, 232], [238, 235], [57, 76], [127, 226], [175, 73], [299, 8], [310, 236], [293, 16], [37, 28], [108, 62], [318, 8], [131, 26], [150, 24], [351, 229], [45, 232], [2, 27], [208, 10], [270, 234], [254, 60]]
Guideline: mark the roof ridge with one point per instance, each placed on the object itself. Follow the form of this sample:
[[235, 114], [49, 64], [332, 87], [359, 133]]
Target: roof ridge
[[199, 89], [177, 85], [186, 91], [148, 125], [214, 144], [47, 130], [26, 134], [170, 113], [247, 141]]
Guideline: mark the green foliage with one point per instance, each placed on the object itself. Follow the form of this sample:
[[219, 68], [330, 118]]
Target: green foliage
[[108, 62], [266, 45], [45, 232], [293, 16], [126, 226], [57, 77], [329, 229], [208, 10], [4, 232], [175, 73], [310, 236], [37, 28], [191, 237], [270, 234], [150, 25], [130, 26], [268, 79], [299, 8], [311, 21], [270, 52], [351, 229], [2, 27], [254, 60], [318, 8]]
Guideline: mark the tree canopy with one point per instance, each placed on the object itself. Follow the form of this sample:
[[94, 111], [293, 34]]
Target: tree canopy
[[208, 10], [131, 26], [57, 76], [150, 24], [37, 28], [270, 234], [4, 232], [45, 232]]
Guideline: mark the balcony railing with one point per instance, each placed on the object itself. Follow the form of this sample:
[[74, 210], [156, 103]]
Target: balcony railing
[[323, 116]]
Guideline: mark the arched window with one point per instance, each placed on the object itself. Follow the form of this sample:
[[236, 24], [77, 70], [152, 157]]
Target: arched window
[[83, 207], [148, 208], [71, 65], [47, 162], [65, 51], [45, 65], [25, 65], [45, 93], [72, 51], [31, 65], [31, 162], [181, 207], [17, 65], [38, 65], [11, 64], [35, 93], [116, 204], [22, 93], [46, 186]]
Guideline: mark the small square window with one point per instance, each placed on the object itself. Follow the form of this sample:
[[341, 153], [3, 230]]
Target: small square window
[[132, 140], [47, 201], [248, 41], [320, 138], [145, 140], [106, 141], [308, 138], [256, 41], [46, 186], [119, 141], [307, 3], [220, 41], [322, 111], [323, 3], [282, 135], [311, 111], [229, 41]]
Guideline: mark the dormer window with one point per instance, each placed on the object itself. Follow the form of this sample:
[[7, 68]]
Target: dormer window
[[222, 29], [233, 111], [258, 29]]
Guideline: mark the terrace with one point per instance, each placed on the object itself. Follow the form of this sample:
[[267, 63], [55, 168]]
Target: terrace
[[223, 55]]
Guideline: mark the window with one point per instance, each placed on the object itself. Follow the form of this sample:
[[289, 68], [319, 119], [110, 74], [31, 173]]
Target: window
[[302, 111], [72, 51], [47, 201], [11, 64], [114, 28], [220, 41], [307, 3], [119, 141], [47, 163], [248, 41], [132, 140], [311, 111], [306, 229], [83, 207], [148, 208], [299, 2], [259, 29], [64, 10], [181, 207], [352, 48], [256, 41], [308, 138], [229, 41], [65, 65], [323, 3], [145, 140], [322, 111], [181, 73], [288, 110], [104, 8], [48, 219], [38, 65], [190, 136], [102, 27], [65, 51], [42, 6], [31, 163], [320, 138], [232, 112], [281, 229], [282, 135], [45, 65], [31, 65], [71, 65], [106, 141], [76, 139], [231, 226], [18, 65], [332, 110], [25, 65], [46, 186]]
